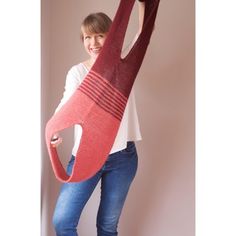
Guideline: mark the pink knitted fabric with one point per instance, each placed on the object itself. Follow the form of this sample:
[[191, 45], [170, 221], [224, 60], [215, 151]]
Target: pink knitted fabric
[[99, 102]]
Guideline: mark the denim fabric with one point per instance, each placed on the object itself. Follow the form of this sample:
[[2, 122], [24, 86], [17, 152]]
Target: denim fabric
[[116, 176]]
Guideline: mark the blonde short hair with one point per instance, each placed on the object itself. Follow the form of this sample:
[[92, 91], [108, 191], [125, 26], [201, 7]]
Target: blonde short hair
[[96, 23]]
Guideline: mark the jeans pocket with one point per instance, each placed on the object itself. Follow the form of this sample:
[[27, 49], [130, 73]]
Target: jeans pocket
[[130, 148]]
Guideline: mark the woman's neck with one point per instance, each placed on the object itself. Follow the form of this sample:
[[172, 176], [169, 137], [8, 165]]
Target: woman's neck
[[89, 63]]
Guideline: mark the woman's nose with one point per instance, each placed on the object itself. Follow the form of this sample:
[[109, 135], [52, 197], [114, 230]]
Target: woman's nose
[[94, 41]]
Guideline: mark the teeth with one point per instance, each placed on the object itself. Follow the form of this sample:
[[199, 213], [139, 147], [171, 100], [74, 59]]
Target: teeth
[[95, 50]]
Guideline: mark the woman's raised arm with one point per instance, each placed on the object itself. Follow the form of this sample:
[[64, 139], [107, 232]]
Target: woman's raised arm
[[141, 11]]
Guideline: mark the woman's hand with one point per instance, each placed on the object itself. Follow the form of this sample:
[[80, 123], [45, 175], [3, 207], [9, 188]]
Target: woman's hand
[[56, 140]]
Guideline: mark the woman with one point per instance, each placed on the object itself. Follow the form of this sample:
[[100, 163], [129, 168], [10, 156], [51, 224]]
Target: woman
[[117, 173]]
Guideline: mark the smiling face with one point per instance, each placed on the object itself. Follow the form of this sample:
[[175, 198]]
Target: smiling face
[[93, 43], [94, 30]]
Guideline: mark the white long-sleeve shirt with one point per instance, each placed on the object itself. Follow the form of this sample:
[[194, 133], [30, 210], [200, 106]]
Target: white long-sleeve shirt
[[129, 129]]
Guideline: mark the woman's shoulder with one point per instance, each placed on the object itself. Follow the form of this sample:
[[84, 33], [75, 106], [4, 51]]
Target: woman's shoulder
[[78, 68], [77, 72]]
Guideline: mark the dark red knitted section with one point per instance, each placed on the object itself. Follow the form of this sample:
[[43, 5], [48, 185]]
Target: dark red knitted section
[[121, 73], [99, 103]]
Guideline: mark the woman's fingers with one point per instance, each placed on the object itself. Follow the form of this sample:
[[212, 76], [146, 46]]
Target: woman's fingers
[[56, 140]]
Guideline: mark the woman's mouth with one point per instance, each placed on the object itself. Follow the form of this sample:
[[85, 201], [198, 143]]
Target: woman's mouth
[[95, 50]]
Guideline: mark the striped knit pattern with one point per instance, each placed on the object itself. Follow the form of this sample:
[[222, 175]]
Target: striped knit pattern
[[104, 94]]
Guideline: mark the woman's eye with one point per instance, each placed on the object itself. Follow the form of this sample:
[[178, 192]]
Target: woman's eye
[[87, 37], [100, 35]]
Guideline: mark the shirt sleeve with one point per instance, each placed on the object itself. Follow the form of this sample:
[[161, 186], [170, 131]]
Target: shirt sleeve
[[73, 81]]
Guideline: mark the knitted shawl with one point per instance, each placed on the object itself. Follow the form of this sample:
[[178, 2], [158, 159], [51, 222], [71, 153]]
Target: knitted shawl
[[99, 102]]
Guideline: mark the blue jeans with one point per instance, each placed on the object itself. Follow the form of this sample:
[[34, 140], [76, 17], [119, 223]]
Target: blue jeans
[[116, 176]]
